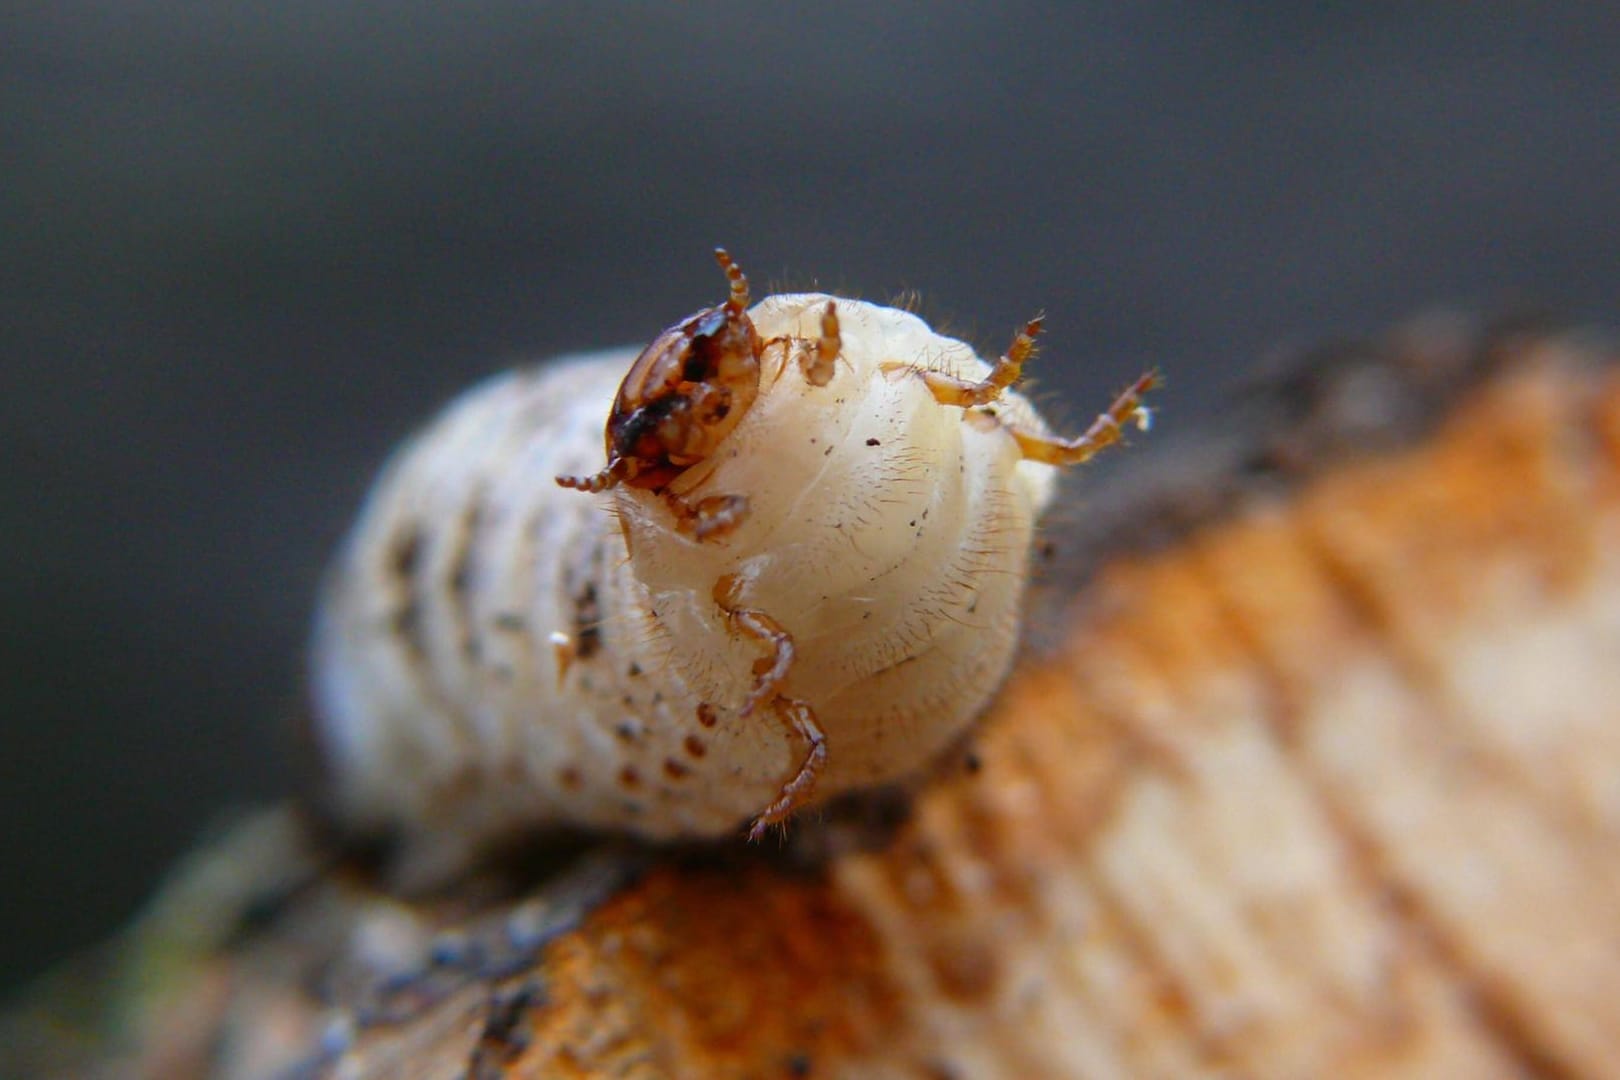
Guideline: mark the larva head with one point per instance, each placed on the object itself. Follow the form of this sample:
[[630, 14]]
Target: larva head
[[684, 394]]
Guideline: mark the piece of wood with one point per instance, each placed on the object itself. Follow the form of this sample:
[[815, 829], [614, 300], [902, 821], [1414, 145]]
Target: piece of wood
[[1319, 774]]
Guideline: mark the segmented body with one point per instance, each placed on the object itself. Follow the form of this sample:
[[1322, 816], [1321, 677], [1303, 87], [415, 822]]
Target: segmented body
[[495, 654]]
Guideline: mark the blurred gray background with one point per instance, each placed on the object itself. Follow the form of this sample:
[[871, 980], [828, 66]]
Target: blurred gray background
[[247, 248]]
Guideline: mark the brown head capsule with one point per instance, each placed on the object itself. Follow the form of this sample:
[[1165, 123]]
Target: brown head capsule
[[682, 396]]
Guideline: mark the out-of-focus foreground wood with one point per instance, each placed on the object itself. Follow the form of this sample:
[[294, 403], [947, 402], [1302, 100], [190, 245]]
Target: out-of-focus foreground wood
[[1326, 784]]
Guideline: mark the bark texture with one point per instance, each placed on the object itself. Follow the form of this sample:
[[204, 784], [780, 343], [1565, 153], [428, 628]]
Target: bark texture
[[1317, 773]]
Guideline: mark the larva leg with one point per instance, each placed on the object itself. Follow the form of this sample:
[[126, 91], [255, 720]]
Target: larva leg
[[769, 670], [818, 364], [1103, 432], [769, 673], [706, 519], [801, 721], [709, 518], [950, 390]]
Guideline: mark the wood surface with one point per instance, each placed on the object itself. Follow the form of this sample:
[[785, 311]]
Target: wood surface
[[1314, 770]]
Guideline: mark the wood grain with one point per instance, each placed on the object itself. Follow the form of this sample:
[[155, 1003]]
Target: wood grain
[[1320, 777]]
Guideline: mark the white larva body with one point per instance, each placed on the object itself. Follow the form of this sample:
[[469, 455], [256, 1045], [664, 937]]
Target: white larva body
[[887, 533]]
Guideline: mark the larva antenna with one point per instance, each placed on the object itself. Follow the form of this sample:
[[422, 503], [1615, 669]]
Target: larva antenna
[[738, 301], [608, 477]]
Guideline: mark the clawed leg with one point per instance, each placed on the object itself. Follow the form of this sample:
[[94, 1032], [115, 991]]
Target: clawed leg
[[950, 390], [801, 721], [770, 671], [565, 652], [709, 518], [820, 363], [706, 519], [1104, 432]]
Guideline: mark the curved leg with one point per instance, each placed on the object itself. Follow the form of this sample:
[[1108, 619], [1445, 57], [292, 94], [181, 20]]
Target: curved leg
[[819, 364], [1104, 431], [801, 721], [950, 390], [770, 671], [709, 518]]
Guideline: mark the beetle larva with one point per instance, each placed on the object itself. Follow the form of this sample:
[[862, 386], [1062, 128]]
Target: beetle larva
[[799, 573]]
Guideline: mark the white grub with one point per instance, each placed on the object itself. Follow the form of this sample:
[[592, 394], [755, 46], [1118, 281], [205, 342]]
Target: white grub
[[495, 654]]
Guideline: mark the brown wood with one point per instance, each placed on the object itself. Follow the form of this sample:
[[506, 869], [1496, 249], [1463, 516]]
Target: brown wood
[[1321, 777]]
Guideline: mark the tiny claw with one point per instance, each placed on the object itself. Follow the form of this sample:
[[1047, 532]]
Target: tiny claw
[[565, 652]]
